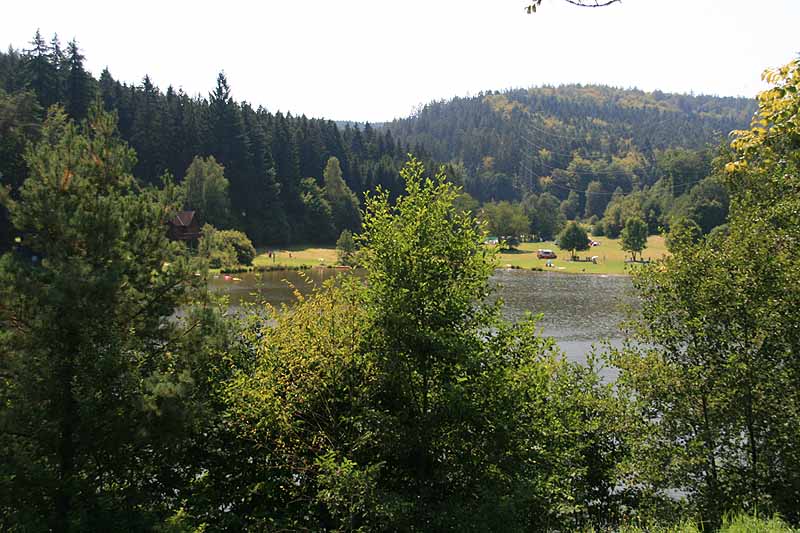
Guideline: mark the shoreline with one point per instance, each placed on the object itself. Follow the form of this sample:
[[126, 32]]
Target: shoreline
[[559, 271]]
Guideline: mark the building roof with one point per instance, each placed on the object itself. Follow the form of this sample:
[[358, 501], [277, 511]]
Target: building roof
[[183, 218]]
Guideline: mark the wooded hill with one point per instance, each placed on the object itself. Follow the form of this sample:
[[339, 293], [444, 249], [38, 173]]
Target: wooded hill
[[571, 133], [499, 145]]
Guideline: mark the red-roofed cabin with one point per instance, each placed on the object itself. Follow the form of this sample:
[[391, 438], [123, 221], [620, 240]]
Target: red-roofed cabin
[[184, 227]]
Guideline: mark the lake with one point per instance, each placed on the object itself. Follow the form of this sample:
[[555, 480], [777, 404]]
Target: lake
[[579, 310]]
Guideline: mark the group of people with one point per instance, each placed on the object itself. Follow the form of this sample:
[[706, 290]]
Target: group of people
[[273, 255]]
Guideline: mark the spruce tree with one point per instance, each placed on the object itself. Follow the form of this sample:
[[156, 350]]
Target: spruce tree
[[146, 135], [79, 90], [40, 72]]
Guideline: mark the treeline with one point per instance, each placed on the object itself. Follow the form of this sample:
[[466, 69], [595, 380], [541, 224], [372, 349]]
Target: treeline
[[703, 208], [266, 156], [131, 400]]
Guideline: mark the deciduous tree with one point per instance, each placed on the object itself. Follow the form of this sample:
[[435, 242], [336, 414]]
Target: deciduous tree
[[573, 238], [207, 191], [506, 221], [634, 237]]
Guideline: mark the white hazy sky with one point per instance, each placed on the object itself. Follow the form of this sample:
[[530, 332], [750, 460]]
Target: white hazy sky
[[378, 59]]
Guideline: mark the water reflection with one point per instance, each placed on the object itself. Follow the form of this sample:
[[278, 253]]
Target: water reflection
[[579, 310]]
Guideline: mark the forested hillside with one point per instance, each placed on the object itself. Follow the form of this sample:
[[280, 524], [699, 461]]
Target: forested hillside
[[562, 153], [507, 141], [595, 153]]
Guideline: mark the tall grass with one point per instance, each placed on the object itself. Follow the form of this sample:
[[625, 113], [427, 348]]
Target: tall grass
[[737, 524]]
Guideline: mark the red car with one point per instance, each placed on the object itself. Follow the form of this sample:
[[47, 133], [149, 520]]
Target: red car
[[545, 254]]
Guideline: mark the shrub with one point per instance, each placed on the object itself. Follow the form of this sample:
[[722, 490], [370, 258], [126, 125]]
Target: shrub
[[226, 248], [346, 248], [242, 247]]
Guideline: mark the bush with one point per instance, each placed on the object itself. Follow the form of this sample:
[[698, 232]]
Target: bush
[[242, 247], [346, 248], [225, 248]]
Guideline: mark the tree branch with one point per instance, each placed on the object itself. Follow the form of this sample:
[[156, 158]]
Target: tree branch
[[531, 8], [595, 3]]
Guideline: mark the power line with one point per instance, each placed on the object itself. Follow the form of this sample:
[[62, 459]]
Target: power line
[[550, 167], [606, 193], [596, 173]]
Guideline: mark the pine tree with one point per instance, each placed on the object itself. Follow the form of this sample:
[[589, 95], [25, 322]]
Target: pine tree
[[60, 68], [147, 132], [85, 305], [228, 141], [41, 75], [79, 90], [108, 90]]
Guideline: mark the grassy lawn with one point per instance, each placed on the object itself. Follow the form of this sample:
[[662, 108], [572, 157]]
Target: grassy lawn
[[611, 258], [296, 256]]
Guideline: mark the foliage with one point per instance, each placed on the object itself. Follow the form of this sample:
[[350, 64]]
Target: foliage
[[596, 200], [561, 139], [715, 388], [212, 247], [546, 219], [405, 403], [344, 204], [207, 191], [87, 390], [634, 236], [507, 221], [441, 378], [317, 212], [501, 146], [466, 203], [243, 249], [620, 209], [265, 154], [706, 204], [683, 231], [573, 238], [225, 248], [346, 248], [740, 523], [19, 124], [571, 206]]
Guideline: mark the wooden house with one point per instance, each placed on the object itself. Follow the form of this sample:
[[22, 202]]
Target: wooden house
[[184, 227]]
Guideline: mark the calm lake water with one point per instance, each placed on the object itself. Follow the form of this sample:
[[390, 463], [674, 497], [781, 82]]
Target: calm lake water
[[579, 310]]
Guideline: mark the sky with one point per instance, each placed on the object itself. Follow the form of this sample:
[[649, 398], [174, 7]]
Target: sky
[[375, 60]]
